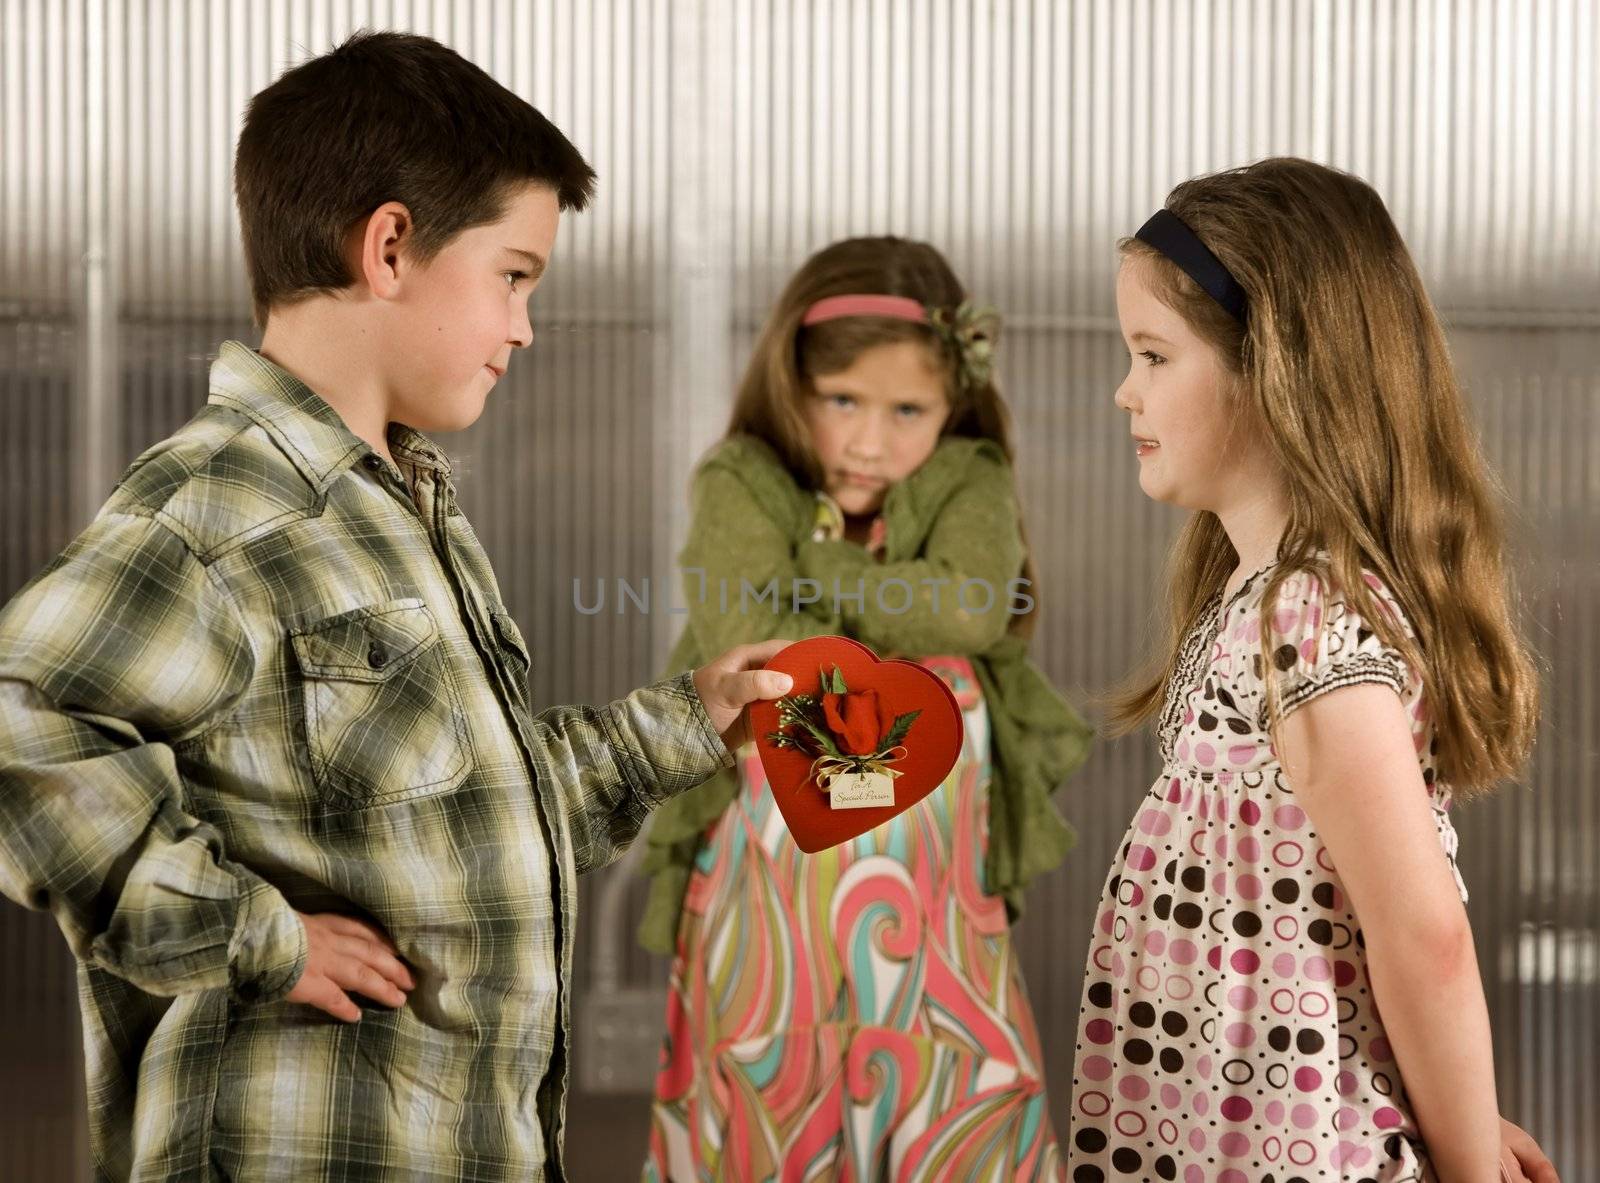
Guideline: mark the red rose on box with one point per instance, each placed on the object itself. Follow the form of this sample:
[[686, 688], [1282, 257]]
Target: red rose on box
[[858, 719], [843, 730]]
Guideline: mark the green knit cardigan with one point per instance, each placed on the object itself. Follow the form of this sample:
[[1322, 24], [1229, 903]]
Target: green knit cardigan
[[954, 519]]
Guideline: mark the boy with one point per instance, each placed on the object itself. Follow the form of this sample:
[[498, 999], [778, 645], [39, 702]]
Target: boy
[[265, 741]]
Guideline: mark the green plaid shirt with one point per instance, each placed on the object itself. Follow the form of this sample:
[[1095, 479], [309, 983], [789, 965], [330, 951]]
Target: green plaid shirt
[[276, 674]]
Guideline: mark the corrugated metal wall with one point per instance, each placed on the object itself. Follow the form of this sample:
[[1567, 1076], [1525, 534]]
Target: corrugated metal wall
[[732, 138]]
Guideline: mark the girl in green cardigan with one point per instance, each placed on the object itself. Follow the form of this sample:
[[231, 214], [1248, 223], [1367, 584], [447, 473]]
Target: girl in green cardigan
[[862, 1008]]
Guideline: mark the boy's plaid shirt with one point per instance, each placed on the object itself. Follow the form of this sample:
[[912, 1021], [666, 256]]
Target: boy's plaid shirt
[[276, 674]]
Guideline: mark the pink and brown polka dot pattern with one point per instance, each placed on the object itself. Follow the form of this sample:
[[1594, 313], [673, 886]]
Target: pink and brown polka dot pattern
[[1228, 1031]]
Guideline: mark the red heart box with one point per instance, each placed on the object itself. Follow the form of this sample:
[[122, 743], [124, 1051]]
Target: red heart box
[[932, 745]]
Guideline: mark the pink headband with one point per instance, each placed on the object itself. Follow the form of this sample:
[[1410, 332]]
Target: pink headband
[[891, 307]]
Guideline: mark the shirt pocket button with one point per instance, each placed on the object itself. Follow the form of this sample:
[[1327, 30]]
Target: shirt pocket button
[[377, 656]]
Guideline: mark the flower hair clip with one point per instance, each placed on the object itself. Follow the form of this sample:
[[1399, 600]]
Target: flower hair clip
[[969, 333]]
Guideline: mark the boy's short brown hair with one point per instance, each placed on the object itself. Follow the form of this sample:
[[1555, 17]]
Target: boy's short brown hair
[[384, 117]]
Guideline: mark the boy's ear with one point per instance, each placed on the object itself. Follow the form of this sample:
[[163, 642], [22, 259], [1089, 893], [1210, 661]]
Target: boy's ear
[[378, 245]]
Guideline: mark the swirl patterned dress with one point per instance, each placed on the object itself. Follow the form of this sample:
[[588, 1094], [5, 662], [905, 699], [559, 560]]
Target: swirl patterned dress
[[1228, 1031], [856, 1014]]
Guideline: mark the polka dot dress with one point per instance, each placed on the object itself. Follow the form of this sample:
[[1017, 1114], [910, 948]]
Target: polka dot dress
[[1228, 1031]]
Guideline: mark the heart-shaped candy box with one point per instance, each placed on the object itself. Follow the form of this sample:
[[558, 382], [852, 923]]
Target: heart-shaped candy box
[[852, 722]]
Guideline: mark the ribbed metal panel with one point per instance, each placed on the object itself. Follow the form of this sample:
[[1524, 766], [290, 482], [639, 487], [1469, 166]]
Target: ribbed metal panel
[[733, 137]]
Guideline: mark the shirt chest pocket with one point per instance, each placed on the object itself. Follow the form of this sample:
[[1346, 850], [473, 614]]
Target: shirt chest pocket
[[384, 722]]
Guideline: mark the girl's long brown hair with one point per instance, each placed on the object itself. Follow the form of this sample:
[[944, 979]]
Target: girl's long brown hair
[[787, 355], [1344, 366]]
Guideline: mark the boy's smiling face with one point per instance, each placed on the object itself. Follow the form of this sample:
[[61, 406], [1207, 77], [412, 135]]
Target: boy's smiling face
[[454, 320]]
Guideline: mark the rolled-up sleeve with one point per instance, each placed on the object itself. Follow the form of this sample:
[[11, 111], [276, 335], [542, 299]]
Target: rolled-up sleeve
[[115, 657]]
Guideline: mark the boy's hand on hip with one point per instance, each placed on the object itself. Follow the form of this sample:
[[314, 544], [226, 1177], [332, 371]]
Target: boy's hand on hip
[[735, 680], [346, 954]]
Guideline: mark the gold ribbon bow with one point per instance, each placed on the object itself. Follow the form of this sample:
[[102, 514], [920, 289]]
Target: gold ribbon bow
[[825, 767]]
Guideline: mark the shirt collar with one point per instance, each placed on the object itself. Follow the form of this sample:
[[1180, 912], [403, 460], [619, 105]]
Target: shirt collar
[[310, 431]]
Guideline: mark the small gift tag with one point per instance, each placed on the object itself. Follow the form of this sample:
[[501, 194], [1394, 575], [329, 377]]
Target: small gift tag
[[860, 790]]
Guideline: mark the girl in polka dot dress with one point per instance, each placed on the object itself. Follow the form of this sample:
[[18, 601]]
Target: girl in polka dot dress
[[1282, 985]]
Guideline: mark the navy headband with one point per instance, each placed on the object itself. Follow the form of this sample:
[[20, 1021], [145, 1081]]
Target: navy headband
[[1170, 235]]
